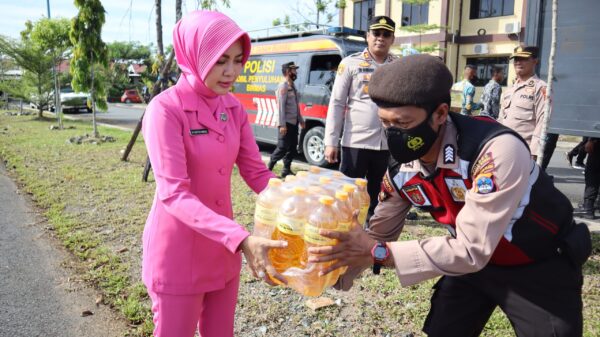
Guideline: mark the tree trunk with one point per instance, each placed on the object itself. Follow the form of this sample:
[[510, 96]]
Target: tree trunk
[[159, 32], [548, 105], [94, 125], [57, 106], [177, 10], [39, 100]]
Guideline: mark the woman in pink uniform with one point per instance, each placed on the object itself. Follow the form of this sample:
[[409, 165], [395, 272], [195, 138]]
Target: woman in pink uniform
[[195, 132]]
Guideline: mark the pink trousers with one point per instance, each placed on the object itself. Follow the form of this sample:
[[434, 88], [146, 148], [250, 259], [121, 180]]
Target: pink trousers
[[212, 313]]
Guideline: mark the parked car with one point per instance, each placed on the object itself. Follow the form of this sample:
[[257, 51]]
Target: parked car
[[74, 101], [69, 101], [131, 96]]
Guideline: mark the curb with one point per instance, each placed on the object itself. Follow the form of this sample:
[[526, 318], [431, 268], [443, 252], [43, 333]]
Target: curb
[[131, 105]]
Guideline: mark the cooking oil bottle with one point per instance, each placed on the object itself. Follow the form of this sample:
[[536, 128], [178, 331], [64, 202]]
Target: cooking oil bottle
[[363, 199], [290, 223], [323, 218], [267, 208]]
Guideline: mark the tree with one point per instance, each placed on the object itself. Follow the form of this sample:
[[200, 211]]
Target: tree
[[89, 51], [548, 105], [420, 28], [121, 50], [316, 9], [36, 83], [51, 35]]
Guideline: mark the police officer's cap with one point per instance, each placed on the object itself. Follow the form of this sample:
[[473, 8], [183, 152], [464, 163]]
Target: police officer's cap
[[419, 80], [382, 22], [526, 52], [289, 65]]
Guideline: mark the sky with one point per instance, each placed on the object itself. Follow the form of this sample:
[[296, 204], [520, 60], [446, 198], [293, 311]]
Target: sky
[[134, 20]]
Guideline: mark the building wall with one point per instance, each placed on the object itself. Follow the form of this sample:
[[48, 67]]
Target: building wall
[[457, 44]]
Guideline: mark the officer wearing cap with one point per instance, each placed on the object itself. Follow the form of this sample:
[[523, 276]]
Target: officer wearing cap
[[289, 119], [353, 116], [522, 106], [512, 241]]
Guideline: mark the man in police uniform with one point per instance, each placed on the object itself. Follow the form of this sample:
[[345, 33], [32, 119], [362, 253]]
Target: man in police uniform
[[523, 104], [364, 149], [289, 118], [512, 241]]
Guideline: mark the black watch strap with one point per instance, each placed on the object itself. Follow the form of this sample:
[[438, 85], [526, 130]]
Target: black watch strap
[[376, 268]]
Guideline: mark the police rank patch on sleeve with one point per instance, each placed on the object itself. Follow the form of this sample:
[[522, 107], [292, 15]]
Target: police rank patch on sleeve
[[485, 164], [386, 189], [484, 184]]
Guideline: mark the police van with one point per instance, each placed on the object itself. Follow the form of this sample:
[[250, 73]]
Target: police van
[[318, 55]]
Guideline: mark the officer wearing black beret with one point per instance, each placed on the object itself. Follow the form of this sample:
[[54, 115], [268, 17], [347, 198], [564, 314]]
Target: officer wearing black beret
[[511, 243]]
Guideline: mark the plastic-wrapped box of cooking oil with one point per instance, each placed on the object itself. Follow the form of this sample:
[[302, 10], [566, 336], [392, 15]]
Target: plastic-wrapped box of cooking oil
[[295, 210]]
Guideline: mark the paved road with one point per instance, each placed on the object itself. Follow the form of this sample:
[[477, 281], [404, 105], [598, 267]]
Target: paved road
[[38, 297], [123, 115]]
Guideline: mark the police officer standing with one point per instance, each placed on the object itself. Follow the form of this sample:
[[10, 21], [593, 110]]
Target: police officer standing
[[523, 104], [592, 179], [512, 241], [364, 149], [289, 119]]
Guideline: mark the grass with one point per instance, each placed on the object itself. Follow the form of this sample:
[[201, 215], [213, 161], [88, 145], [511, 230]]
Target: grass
[[97, 205]]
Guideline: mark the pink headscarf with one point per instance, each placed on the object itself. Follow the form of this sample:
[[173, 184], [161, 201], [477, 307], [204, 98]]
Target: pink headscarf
[[199, 40]]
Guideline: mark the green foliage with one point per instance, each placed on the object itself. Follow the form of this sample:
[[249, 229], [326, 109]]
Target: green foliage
[[318, 9], [421, 28], [37, 65], [50, 34], [128, 51], [89, 51]]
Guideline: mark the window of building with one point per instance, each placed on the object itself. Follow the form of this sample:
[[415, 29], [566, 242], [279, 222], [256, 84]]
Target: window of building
[[415, 14], [484, 68], [363, 12], [490, 8]]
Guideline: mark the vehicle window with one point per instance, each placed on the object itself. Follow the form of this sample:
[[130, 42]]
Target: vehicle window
[[66, 90], [322, 70]]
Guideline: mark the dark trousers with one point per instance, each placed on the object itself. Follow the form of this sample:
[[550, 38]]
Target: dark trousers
[[369, 164], [551, 140], [592, 177], [286, 147], [579, 151], [541, 299]]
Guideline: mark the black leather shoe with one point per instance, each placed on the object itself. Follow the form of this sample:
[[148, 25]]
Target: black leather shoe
[[286, 172], [585, 213], [271, 165]]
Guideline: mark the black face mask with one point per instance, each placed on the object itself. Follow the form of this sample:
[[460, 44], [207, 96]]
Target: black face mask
[[407, 145], [293, 77]]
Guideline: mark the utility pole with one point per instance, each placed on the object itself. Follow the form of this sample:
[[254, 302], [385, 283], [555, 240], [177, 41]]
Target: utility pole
[[57, 107]]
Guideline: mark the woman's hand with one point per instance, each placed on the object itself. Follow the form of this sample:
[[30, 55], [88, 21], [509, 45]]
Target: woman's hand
[[353, 249], [256, 250]]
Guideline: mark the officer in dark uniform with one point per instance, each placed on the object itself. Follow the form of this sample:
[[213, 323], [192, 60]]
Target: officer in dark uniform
[[592, 179], [289, 120]]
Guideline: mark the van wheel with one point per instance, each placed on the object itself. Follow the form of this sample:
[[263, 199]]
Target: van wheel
[[314, 146]]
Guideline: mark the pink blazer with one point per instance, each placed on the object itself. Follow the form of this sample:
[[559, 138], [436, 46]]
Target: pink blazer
[[190, 240]]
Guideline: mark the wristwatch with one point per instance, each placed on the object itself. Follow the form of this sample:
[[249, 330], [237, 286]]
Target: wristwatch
[[380, 252]]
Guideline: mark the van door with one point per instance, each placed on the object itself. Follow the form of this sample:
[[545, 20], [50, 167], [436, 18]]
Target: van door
[[314, 103]]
